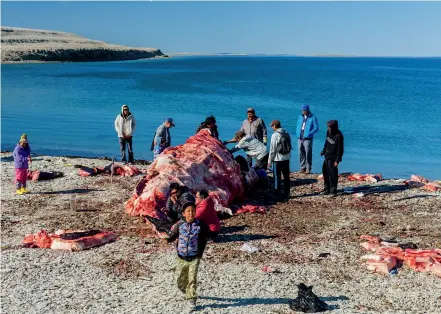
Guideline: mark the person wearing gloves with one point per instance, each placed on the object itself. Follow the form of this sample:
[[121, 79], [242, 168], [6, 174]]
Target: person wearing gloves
[[333, 152], [280, 154], [254, 127], [124, 127], [22, 158], [162, 139], [307, 127]]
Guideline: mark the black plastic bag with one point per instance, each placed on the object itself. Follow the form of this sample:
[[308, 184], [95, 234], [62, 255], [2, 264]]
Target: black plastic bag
[[307, 301]]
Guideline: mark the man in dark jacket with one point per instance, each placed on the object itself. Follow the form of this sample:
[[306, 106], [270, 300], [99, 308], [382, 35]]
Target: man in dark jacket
[[333, 153]]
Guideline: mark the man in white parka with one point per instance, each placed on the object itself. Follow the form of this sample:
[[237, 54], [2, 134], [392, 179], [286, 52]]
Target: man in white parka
[[124, 127]]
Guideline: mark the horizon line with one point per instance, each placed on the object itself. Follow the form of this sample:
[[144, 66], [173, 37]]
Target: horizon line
[[291, 55]]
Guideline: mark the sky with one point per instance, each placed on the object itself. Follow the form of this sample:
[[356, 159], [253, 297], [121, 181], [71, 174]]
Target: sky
[[301, 28]]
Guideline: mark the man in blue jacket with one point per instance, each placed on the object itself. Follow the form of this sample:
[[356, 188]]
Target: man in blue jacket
[[307, 127]]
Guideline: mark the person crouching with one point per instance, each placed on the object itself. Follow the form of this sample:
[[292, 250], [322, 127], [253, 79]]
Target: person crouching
[[192, 239], [206, 213], [22, 158]]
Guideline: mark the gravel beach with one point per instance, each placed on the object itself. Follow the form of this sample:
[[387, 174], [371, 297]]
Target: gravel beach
[[135, 274]]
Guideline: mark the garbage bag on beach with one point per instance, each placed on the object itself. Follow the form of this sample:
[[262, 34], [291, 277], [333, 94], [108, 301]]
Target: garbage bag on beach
[[247, 247], [307, 301]]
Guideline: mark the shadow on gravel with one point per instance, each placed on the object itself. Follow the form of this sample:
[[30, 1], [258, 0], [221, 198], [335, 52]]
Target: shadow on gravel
[[331, 299], [300, 182], [256, 301], [222, 238], [77, 191], [415, 196], [7, 159], [367, 189], [87, 210], [232, 229]]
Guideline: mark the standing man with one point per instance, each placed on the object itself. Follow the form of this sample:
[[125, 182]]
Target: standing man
[[124, 127], [333, 152], [280, 154], [255, 127], [307, 127], [162, 139]]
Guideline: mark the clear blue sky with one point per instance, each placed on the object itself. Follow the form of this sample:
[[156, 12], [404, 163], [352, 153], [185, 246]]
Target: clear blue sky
[[305, 28]]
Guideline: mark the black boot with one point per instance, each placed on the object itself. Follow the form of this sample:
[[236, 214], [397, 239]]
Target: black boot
[[325, 191]]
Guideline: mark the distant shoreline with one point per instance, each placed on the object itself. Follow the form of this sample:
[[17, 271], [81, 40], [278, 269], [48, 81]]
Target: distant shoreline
[[52, 62], [196, 54]]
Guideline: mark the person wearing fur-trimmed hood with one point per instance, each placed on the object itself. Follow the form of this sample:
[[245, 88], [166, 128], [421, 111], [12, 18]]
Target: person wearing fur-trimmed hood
[[125, 127]]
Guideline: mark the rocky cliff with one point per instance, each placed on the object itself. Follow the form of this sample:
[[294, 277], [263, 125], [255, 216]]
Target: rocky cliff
[[33, 45]]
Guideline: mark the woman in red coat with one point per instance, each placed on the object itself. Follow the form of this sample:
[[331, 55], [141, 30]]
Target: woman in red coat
[[206, 213]]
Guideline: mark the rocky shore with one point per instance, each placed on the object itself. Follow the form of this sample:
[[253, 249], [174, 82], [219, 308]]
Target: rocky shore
[[135, 274], [20, 45]]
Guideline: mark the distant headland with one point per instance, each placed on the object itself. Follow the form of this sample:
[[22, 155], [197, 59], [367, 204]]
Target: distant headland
[[21, 45]]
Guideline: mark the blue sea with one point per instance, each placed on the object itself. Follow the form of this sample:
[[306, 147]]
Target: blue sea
[[389, 109]]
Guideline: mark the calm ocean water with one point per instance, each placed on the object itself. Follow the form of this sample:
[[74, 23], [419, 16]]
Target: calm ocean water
[[389, 109]]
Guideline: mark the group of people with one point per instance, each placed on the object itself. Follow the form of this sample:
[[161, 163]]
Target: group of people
[[194, 218], [252, 138]]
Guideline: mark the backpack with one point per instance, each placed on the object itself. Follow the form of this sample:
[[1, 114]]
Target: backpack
[[188, 241], [284, 146]]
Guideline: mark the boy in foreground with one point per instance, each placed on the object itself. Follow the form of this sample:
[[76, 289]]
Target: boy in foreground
[[192, 239]]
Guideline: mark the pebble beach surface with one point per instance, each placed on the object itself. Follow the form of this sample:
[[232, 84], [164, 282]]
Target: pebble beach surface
[[135, 274]]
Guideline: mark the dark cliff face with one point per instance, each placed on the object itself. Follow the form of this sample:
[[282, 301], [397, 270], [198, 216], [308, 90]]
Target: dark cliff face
[[81, 55]]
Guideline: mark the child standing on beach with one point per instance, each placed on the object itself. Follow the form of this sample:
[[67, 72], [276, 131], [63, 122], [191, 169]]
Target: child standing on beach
[[192, 239], [22, 156]]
